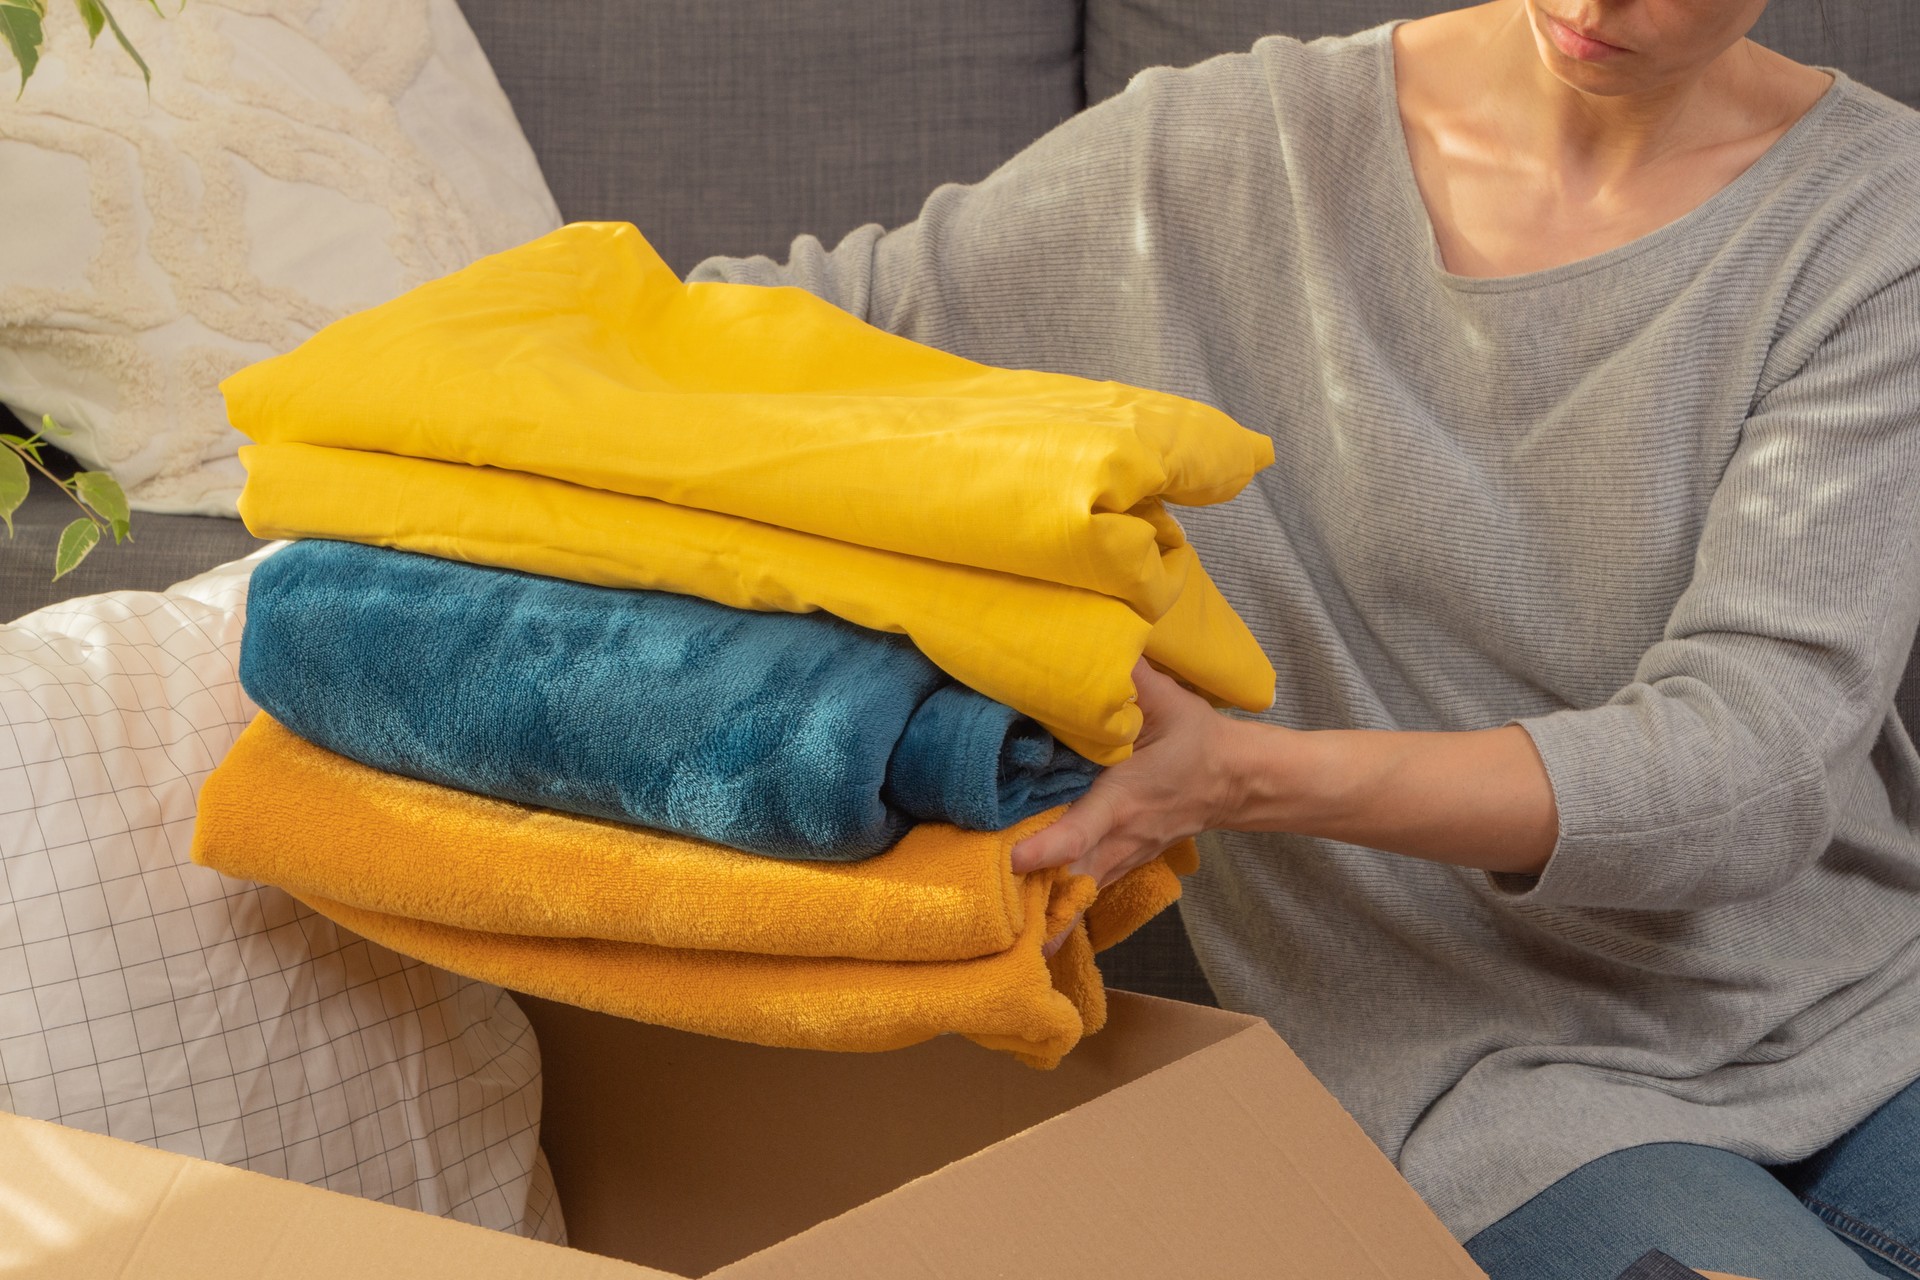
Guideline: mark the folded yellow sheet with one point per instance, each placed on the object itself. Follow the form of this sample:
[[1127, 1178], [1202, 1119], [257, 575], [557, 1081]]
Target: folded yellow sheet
[[1060, 654], [581, 357], [936, 935], [1011, 1001]]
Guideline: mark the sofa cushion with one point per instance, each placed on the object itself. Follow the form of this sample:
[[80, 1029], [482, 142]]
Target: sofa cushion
[[1875, 41], [292, 164], [1157, 960], [730, 128]]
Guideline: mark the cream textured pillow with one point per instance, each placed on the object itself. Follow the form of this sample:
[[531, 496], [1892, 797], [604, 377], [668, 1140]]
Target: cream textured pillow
[[298, 160]]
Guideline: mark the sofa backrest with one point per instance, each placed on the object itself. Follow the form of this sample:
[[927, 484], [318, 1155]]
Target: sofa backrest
[[720, 126]]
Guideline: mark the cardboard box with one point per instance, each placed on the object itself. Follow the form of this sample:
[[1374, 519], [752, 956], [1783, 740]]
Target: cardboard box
[[77, 1206], [1180, 1141]]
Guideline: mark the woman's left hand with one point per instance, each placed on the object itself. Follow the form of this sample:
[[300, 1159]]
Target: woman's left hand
[[1177, 783]]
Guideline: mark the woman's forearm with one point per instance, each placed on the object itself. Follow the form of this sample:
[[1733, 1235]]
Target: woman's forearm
[[1476, 799]]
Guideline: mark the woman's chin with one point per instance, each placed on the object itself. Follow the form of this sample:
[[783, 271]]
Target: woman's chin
[[1607, 78]]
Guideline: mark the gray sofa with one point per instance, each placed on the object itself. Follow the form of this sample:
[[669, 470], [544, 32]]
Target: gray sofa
[[730, 126]]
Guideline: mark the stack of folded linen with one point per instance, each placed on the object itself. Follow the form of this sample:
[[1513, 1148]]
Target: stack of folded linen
[[570, 408], [745, 748]]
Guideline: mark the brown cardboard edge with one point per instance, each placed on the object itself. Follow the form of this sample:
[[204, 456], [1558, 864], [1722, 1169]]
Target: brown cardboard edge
[[808, 1135], [1021, 1206], [82, 1206]]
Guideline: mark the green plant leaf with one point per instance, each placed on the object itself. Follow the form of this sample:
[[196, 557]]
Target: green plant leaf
[[24, 446], [102, 492], [20, 27], [52, 428], [91, 15], [76, 540], [125, 43], [13, 486]]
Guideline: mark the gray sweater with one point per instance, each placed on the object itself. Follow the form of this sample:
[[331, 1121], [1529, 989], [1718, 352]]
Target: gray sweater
[[1659, 507]]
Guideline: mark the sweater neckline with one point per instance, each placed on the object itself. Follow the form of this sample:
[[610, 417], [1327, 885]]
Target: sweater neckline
[[1401, 161]]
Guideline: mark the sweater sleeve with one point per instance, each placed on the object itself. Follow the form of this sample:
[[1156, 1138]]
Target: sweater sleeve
[[1716, 775], [1094, 244]]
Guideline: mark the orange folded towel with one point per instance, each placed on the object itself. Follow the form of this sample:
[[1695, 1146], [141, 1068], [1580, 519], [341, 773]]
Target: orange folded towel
[[936, 935]]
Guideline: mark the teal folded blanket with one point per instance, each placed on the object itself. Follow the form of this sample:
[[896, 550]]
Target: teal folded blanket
[[791, 735]]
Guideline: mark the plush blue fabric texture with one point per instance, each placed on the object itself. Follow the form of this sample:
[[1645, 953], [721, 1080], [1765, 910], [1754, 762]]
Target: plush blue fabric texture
[[791, 735]]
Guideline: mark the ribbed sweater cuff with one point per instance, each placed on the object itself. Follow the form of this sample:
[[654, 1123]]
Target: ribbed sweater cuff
[[1624, 838]]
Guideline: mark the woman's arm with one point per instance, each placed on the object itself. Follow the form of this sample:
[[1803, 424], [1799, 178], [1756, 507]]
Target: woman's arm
[[1719, 772], [1480, 799], [1476, 799]]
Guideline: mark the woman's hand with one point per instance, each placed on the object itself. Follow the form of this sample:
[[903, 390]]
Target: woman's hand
[[1475, 798], [1178, 782]]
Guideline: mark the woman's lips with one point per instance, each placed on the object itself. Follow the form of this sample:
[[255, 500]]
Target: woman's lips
[[1576, 44]]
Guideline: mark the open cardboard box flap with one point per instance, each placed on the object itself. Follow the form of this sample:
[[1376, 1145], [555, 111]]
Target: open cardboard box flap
[[1180, 1141], [78, 1206]]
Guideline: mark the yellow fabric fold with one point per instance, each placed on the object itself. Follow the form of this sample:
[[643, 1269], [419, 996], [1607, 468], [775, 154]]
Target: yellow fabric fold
[[936, 935], [581, 357], [1060, 654], [1010, 1001]]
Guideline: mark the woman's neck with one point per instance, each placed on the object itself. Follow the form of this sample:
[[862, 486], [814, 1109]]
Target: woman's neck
[[1746, 91], [1521, 170]]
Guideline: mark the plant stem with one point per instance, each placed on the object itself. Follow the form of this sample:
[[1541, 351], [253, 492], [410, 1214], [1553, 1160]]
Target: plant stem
[[27, 457]]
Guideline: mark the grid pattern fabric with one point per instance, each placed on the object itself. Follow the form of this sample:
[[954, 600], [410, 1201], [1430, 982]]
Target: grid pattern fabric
[[153, 1000]]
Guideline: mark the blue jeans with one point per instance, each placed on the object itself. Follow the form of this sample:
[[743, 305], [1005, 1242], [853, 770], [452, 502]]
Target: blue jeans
[[1850, 1212]]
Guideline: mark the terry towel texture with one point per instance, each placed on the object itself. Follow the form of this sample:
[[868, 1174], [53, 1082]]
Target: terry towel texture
[[936, 935], [791, 735], [723, 411]]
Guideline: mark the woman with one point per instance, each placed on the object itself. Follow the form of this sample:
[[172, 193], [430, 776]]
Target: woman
[[1578, 853]]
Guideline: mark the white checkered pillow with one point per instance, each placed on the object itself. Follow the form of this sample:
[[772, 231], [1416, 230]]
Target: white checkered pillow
[[147, 998]]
